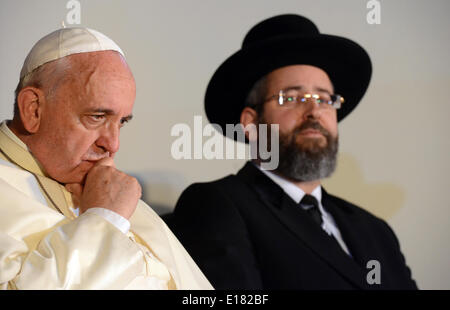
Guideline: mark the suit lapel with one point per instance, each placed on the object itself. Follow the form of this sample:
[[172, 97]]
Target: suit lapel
[[301, 225], [348, 222]]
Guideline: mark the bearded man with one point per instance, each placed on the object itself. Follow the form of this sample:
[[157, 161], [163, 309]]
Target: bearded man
[[69, 218], [280, 229]]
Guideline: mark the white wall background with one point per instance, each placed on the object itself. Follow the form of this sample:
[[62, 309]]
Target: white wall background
[[394, 147]]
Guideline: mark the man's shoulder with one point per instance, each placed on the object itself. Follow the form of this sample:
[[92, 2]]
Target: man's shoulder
[[223, 184], [222, 191], [211, 197], [230, 185]]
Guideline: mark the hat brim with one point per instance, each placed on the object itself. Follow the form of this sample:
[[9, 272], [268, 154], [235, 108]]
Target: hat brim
[[347, 64]]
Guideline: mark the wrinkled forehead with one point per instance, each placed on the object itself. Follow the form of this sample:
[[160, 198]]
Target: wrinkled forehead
[[87, 69], [108, 62], [100, 79]]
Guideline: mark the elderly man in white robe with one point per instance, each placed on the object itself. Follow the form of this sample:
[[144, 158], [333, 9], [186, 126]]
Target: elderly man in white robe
[[70, 219]]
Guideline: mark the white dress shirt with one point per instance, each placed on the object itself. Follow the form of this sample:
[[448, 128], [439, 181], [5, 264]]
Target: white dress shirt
[[296, 193]]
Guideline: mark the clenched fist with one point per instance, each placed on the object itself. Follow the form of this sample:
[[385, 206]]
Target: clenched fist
[[106, 187]]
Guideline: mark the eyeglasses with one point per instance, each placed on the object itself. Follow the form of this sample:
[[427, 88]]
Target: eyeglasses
[[293, 97]]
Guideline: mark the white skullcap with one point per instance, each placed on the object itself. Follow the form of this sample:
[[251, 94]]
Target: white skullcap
[[64, 42]]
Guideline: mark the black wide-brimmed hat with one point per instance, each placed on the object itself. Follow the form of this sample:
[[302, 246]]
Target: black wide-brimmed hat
[[282, 41]]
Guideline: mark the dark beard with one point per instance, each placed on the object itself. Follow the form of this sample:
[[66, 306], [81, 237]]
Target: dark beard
[[310, 160]]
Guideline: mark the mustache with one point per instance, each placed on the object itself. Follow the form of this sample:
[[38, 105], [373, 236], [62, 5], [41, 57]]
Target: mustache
[[92, 156], [309, 124]]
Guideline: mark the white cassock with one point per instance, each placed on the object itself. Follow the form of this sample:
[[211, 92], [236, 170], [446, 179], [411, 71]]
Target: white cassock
[[45, 245]]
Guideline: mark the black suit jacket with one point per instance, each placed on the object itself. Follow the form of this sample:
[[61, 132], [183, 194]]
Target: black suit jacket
[[244, 232]]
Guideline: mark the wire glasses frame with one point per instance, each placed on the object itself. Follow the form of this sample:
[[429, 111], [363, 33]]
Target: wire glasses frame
[[293, 98]]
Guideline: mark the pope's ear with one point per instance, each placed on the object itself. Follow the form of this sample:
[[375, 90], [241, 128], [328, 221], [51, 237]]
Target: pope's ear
[[29, 101], [249, 120]]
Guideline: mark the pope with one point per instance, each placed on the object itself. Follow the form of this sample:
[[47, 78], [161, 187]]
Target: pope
[[70, 219]]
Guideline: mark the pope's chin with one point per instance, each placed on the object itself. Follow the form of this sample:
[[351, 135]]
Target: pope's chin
[[82, 170], [74, 175]]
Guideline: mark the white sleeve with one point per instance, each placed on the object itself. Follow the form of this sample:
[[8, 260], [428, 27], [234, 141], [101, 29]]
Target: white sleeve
[[114, 218], [85, 253]]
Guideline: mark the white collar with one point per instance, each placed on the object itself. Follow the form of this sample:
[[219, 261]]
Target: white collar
[[292, 190]]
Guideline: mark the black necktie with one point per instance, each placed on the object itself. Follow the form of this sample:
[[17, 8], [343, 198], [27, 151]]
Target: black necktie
[[311, 205]]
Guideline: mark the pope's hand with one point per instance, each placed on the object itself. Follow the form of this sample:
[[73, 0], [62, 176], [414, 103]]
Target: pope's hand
[[106, 187]]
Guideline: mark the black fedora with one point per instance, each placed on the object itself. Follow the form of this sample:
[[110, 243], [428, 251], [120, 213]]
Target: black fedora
[[280, 41]]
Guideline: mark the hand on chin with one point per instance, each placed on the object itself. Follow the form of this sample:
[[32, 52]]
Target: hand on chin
[[76, 186]]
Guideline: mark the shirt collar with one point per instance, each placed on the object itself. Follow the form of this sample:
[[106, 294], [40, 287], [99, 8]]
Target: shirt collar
[[292, 190]]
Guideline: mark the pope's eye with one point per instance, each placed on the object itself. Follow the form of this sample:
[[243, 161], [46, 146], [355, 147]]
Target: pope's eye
[[97, 117]]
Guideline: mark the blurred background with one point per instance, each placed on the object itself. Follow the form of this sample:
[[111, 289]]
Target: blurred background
[[394, 148]]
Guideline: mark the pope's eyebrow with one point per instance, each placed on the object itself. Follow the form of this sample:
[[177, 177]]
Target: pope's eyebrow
[[126, 118], [111, 112], [106, 111]]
